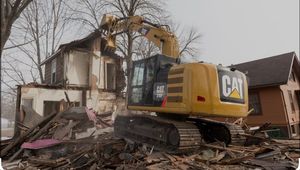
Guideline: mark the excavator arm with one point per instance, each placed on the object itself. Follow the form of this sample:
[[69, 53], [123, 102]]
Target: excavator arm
[[159, 35]]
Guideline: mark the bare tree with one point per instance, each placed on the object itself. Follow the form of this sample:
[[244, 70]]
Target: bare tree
[[188, 44], [188, 39], [88, 13], [145, 49], [43, 25], [8, 105], [10, 12], [132, 45], [149, 9]]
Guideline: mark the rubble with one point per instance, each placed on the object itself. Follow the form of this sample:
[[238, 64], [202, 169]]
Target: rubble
[[78, 138]]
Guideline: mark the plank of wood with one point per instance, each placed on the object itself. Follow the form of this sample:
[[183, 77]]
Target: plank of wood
[[221, 148], [237, 160], [31, 117]]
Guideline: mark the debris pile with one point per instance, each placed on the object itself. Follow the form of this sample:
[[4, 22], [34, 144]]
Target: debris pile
[[80, 139]]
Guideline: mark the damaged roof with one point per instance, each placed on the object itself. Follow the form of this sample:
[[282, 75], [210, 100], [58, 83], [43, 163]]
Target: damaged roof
[[270, 71], [81, 44]]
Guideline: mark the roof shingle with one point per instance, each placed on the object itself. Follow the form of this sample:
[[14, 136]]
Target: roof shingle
[[267, 71]]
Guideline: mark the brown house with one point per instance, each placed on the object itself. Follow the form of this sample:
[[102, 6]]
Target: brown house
[[274, 92]]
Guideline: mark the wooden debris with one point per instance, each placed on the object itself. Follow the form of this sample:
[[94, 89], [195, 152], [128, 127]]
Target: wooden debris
[[23, 137], [88, 144], [31, 117], [221, 148]]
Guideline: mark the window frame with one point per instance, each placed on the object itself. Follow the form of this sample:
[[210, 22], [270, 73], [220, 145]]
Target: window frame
[[293, 130], [28, 99], [114, 76], [260, 112], [291, 101], [53, 70], [135, 84]]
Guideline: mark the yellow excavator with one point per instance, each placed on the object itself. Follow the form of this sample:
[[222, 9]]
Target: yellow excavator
[[182, 95]]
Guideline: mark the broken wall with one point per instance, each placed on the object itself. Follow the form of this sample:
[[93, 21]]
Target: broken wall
[[38, 96], [39, 99]]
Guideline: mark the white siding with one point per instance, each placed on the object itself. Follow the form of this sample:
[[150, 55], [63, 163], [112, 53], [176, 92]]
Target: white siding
[[39, 95], [77, 68]]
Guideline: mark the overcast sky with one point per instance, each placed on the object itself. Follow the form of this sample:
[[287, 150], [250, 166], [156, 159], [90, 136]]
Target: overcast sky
[[235, 31]]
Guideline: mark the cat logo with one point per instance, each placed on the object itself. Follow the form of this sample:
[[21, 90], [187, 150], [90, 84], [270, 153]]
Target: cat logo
[[231, 86]]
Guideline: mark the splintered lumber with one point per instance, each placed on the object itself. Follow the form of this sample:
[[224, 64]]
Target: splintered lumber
[[221, 148], [175, 162], [47, 162], [46, 127], [103, 123], [104, 114], [252, 136], [67, 97], [24, 136], [39, 133], [31, 117], [238, 159], [60, 133], [76, 113]]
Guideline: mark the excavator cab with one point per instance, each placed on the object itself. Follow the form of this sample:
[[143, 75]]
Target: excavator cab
[[149, 80]]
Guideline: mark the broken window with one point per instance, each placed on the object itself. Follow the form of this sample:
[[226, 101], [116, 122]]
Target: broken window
[[53, 71], [54, 106], [291, 101], [111, 76], [50, 107], [254, 103], [27, 103]]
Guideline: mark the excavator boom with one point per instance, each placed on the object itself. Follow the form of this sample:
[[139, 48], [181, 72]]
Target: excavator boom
[[159, 35]]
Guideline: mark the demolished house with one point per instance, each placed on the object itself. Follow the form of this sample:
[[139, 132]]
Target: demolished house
[[82, 72], [78, 138]]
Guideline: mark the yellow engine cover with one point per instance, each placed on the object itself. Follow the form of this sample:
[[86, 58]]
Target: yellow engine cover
[[202, 89]]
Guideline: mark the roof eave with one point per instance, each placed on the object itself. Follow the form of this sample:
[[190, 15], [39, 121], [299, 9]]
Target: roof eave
[[267, 85], [51, 57]]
